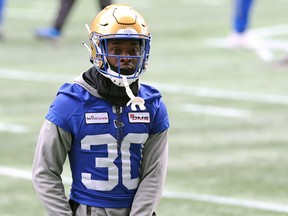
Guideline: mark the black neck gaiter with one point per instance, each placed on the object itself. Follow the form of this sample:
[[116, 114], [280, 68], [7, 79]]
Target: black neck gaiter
[[105, 87]]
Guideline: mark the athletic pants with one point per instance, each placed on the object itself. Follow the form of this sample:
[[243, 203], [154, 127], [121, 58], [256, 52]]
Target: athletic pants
[[2, 4], [65, 8], [241, 16]]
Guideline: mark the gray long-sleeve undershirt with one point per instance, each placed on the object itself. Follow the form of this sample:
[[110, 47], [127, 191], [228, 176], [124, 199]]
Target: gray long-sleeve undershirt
[[50, 155]]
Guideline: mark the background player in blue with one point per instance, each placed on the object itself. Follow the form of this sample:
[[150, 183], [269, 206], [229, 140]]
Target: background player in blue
[[113, 128], [65, 8], [241, 37], [2, 5], [241, 18]]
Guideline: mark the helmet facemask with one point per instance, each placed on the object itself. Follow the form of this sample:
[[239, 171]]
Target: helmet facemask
[[99, 44]]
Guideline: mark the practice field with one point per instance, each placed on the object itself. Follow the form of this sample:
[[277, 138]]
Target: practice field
[[228, 107]]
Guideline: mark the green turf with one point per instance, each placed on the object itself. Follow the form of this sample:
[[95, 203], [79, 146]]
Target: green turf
[[243, 158]]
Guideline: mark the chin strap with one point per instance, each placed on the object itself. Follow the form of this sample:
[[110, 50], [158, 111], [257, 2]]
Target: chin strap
[[135, 101]]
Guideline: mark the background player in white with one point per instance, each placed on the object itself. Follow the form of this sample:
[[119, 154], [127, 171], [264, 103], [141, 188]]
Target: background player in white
[[113, 128]]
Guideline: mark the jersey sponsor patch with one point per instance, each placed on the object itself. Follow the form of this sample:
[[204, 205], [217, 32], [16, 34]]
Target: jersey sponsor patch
[[96, 118], [139, 117]]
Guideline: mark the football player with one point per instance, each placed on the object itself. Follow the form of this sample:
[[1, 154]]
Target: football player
[[2, 4], [242, 9], [65, 8], [240, 23], [113, 128]]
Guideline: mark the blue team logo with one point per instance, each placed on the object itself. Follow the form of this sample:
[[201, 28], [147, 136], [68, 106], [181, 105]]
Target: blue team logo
[[118, 124]]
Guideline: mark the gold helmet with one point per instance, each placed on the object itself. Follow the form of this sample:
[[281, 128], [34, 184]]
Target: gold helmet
[[121, 22]]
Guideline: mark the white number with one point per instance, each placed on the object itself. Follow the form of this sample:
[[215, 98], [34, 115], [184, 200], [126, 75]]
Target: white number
[[108, 162], [86, 144]]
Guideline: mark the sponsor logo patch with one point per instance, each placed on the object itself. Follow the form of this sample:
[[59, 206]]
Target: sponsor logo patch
[[139, 117], [96, 118]]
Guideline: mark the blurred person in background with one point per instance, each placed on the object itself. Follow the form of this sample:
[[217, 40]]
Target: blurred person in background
[[241, 19], [113, 128], [241, 37], [65, 8], [2, 5]]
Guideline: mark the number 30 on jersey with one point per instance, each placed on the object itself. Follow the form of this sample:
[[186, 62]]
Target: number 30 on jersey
[[108, 162]]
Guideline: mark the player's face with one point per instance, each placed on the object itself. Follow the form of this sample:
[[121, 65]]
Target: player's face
[[126, 49]]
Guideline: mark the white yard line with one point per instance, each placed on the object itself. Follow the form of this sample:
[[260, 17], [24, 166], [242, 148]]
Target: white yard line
[[14, 128], [218, 111], [263, 51], [40, 10], [26, 175], [203, 2], [34, 76], [271, 44], [15, 173], [271, 30], [223, 94], [167, 88], [30, 14], [228, 201]]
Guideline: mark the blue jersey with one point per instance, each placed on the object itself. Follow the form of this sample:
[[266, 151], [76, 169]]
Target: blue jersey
[[106, 152]]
